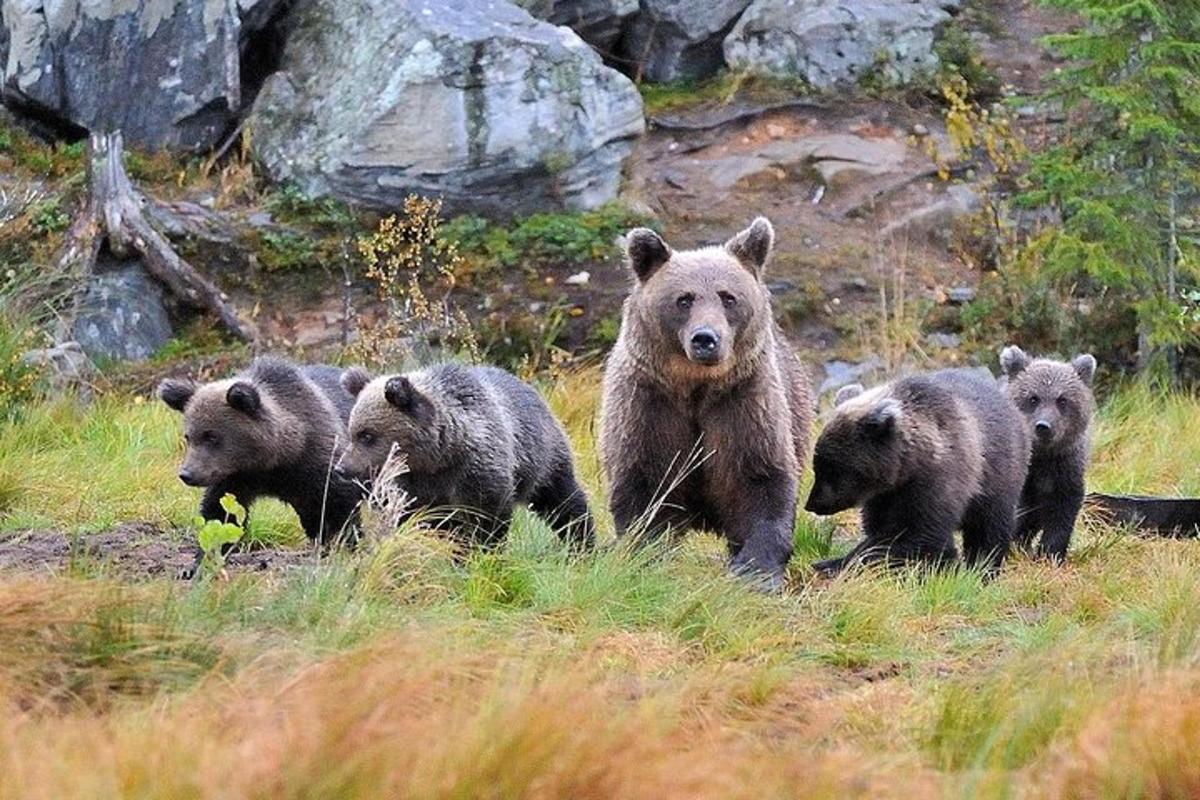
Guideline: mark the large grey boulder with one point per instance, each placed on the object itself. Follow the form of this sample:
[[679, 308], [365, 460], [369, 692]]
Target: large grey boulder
[[832, 43], [121, 314], [598, 22], [166, 72], [680, 39], [472, 100]]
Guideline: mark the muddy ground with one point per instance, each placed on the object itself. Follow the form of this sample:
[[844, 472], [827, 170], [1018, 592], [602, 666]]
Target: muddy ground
[[131, 551]]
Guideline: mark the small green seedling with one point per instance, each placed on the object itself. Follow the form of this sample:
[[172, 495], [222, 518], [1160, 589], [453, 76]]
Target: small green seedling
[[213, 535]]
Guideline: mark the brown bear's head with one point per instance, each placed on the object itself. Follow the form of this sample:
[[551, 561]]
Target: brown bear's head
[[699, 310], [231, 427], [860, 453], [1054, 396], [389, 411]]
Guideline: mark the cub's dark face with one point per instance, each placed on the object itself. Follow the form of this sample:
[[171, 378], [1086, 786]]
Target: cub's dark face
[[700, 304], [1054, 396], [390, 412], [230, 428], [858, 453]]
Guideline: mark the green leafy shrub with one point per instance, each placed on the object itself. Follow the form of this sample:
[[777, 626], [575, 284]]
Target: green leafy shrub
[[50, 217], [213, 535], [570, 238], [290, 205], [18, 380]]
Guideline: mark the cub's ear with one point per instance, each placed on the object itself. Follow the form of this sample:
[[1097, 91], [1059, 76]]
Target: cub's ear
[[243, 397], [847, 393], [753, 246], [176, 393], [1013, 360], [1085, 367], [646, 251], [882, 420], [400, 392], [354, 379]]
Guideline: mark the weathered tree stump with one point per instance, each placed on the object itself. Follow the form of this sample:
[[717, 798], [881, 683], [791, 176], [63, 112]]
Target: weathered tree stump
[[115, 214]]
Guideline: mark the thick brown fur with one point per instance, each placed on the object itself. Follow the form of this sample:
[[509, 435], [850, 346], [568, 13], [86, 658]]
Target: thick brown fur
[[273, 430], [923, 456], [701, 373], [476, 441], [1055, 398]]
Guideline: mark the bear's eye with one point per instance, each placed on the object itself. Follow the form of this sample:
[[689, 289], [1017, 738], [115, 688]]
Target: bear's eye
[[727, 300], [210, 438], [365, 438], [685, 301], [1061, 403], [1032, 401]]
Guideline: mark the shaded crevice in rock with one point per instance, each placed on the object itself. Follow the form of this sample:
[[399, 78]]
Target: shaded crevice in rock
[[672, 40], [475, 102], [264, 37]]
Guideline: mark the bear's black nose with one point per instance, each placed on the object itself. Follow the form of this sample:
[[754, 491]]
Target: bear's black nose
[[1042, 429], [187, 477], [704, 343]]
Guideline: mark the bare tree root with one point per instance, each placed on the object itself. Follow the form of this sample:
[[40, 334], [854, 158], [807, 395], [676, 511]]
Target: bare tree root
[[118, 214]]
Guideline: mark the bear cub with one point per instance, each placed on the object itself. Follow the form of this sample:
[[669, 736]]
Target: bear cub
[[923, 456], [475, 439], [706, 410], [1055, 397], [274, 430]]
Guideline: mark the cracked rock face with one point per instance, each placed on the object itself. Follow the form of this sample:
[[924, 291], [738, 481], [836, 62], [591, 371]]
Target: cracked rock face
[[833, 43], [472, 100], [165, 72]]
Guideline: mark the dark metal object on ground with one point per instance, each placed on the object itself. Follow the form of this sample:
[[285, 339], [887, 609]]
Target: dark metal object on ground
[[1165, 516]]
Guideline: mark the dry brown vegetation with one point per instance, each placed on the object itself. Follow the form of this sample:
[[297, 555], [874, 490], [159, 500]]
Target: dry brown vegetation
[[400, 671]]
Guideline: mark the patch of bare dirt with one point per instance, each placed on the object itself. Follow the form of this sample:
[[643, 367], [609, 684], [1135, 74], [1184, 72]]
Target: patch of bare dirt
[[132, 551]]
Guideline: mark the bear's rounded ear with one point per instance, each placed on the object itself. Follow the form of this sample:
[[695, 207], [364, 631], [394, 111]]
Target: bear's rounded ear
[[354, 379], [243, 397], [646, 251], [1013, 360], [752, 247], [176, 393], [400, 392], [1085, 367], [847, 393], [882, 420]]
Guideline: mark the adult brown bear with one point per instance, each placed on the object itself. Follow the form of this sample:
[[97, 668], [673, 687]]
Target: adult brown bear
[[707, 411]]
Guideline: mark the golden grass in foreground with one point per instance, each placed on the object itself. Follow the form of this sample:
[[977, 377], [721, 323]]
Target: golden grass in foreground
[[398, 671]]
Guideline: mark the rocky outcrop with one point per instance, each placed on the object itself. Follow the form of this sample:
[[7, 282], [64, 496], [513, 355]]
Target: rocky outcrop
[[477, 102], [166, 72], [598, 22], [832, 43], [122, 314], [679, 39], [838, 159], [942, 219]]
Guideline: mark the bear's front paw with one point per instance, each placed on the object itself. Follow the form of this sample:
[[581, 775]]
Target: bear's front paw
[[830, 567], [767, 582]]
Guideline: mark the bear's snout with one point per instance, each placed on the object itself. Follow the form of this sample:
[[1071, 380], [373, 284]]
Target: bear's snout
[[1043, 429], [821, 501], [188, 477], [704, 346]]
